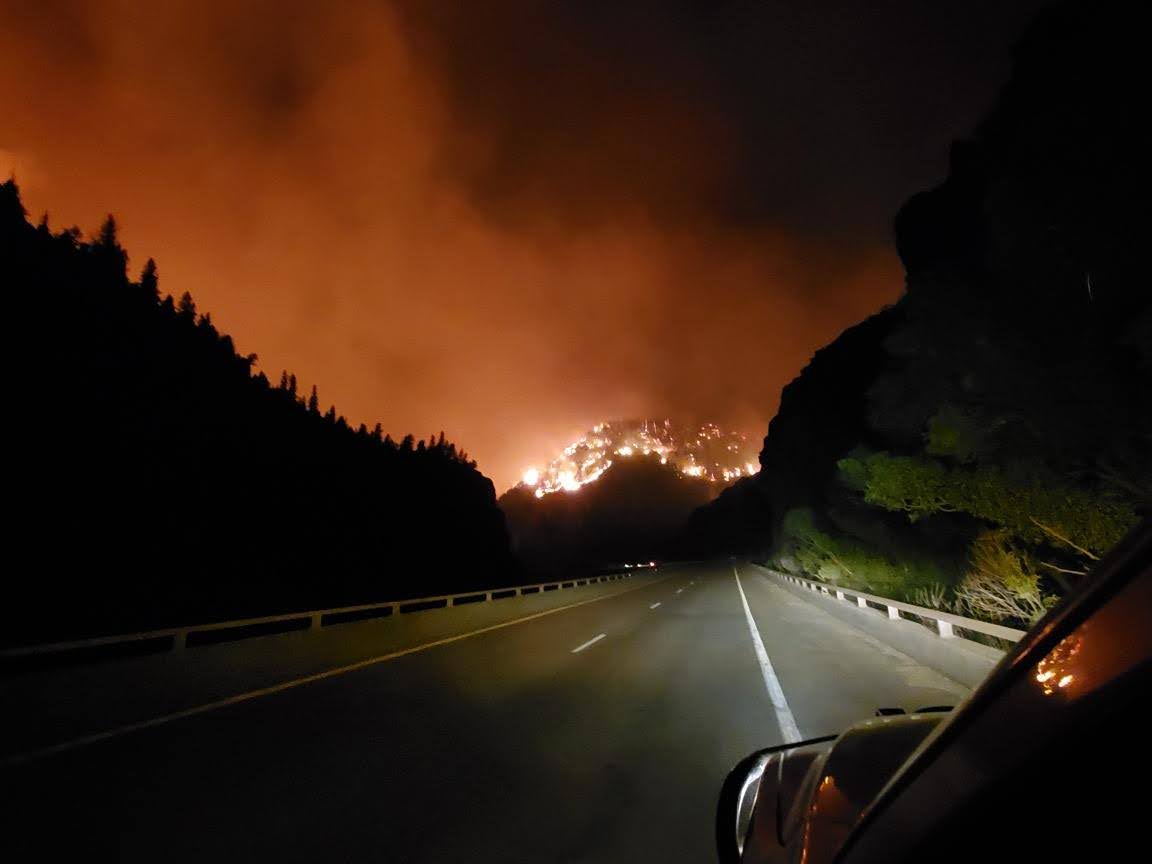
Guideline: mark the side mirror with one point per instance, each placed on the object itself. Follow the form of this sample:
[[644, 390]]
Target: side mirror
[[760, 791], [737, 800]]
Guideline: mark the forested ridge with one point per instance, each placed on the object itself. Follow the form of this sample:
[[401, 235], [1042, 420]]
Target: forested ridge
[[156, 478], [629, 515], [981, 443]]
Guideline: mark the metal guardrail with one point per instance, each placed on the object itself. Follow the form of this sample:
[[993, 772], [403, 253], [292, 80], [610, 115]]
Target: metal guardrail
[[180, 638], [945, 622]]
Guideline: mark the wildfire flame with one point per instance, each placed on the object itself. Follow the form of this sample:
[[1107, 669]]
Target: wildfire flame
[[1056, 671], [705, 452]]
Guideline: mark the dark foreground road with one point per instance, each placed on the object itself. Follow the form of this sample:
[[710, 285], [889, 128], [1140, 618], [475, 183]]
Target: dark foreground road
[[507, 746]]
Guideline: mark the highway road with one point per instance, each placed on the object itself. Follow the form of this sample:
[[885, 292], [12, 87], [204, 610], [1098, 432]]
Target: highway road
[[599, 732]]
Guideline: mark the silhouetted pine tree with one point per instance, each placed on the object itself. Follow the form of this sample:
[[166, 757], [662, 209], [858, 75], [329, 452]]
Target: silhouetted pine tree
[[149, 282], [185, 487], [187, 307]]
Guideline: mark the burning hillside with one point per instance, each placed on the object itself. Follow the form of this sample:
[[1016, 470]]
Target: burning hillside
[[704, 452]]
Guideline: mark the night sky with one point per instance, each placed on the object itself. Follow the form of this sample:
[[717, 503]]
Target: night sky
[[505, 219]]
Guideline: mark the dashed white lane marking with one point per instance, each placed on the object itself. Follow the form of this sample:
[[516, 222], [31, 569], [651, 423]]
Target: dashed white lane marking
[[654, 605], [784, 718], [679, 590], [164, 719], [591, 641]]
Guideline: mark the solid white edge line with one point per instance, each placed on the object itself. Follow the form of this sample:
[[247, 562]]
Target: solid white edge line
[[591, 641], [96, 737], [784, 718]]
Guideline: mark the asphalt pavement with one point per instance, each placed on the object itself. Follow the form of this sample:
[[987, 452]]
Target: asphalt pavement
[[596, 732]]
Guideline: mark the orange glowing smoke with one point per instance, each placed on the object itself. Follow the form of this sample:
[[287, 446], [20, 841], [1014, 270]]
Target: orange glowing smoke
[[300, 169]]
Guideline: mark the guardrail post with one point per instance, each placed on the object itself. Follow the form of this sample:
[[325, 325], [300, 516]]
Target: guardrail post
[[945, 629], [315, 618]]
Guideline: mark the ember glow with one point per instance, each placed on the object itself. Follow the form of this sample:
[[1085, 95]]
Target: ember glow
[[706, 452], [1056, 671]]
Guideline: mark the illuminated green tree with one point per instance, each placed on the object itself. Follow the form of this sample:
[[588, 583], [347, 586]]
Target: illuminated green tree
[[1034, 507]]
